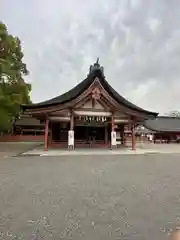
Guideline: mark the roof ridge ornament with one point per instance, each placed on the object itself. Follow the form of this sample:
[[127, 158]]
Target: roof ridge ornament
[[96, 66], [97, 61]]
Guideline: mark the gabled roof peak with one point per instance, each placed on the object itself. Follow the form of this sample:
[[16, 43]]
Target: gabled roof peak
[[95, 71]]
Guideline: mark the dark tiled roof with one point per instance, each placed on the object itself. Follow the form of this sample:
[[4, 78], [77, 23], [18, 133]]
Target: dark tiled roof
[[96, 71], [26, 120], [163, 124]]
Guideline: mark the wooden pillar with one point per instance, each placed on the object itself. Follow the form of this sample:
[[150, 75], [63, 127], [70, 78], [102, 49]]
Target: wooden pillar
[[50, 137], [72, 122], [106, 134], [46, 134], [122, 134], [112, 124], [133, 136]]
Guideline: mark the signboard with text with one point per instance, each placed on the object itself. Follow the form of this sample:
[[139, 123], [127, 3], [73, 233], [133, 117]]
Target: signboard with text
[[70, 138], [113, 138]]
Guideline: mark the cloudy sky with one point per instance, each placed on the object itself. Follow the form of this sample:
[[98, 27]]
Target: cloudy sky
[[138, 42]]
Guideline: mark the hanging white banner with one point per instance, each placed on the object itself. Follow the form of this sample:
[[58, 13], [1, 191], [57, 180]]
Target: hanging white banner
[[113, 138], [71, 138]]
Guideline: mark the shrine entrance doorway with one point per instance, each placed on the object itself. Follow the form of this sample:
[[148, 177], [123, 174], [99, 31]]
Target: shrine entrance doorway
[[91, 136]]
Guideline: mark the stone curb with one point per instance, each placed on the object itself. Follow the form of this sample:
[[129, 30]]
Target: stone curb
[[87, 153]]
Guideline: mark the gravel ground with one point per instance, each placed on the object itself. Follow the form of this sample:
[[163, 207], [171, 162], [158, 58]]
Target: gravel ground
[[110, 197], [14, 148]]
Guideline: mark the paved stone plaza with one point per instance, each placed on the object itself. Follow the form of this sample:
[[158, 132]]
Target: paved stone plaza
[[90, 197]]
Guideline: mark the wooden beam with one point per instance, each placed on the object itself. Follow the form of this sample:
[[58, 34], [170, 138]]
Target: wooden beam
[[58, 118], [121, 120], [93, 113]]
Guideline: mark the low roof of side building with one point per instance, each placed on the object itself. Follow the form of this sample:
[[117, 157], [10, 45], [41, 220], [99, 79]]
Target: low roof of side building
[[26, 120], [163, 124]]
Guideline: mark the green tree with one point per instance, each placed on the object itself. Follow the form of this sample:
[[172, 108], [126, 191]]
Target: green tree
[[13, 89]]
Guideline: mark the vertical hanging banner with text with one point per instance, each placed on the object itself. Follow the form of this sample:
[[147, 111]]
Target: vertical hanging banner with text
[[113, 138], [71, 138]]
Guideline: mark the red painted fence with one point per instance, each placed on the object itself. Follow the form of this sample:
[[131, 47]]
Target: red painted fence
[[21, 138]]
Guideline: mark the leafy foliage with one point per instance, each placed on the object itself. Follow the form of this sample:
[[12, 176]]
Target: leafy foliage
[[13, 89]]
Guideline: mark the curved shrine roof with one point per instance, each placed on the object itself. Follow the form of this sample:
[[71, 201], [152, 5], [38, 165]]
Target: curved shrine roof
[[95, 71], [163, 124]]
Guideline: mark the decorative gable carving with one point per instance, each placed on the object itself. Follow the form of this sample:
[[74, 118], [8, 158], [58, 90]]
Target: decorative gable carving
[[96, 93]]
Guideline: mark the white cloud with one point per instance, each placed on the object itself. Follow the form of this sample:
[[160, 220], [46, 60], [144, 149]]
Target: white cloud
[[153, 24], [137, 41]]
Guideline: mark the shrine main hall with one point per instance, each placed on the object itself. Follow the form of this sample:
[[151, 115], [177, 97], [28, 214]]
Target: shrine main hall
[[91, 114]]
